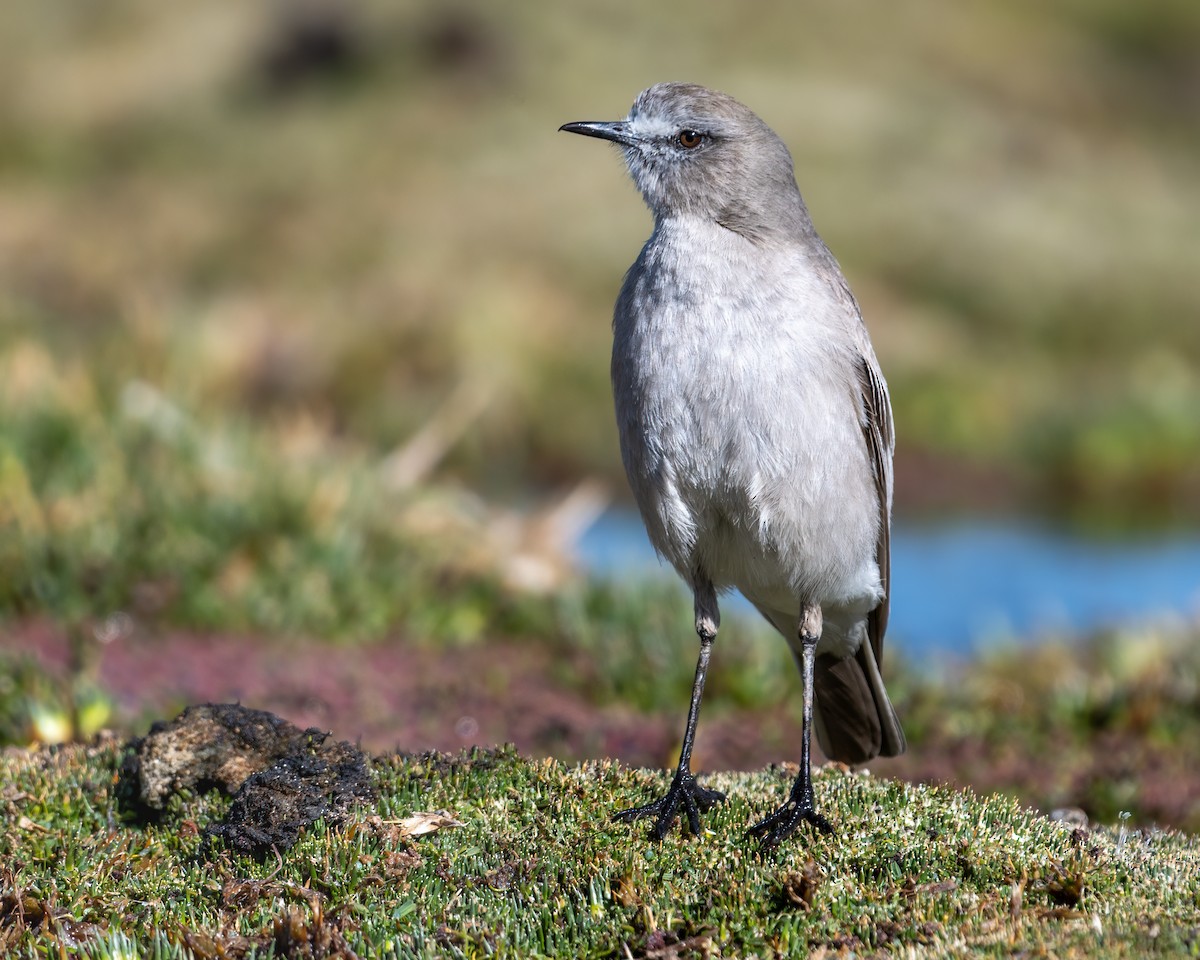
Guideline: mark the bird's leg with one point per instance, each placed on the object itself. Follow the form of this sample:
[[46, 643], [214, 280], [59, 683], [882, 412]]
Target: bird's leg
[[684, 790], [801, 804]]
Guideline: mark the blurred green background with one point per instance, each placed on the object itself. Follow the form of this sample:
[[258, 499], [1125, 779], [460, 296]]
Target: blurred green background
[[326, 217]]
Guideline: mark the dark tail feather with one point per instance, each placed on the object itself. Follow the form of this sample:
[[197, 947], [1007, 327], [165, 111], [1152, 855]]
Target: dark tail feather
[[854, 718]]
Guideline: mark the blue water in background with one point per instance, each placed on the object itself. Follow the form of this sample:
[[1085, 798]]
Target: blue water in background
[[960, 586]]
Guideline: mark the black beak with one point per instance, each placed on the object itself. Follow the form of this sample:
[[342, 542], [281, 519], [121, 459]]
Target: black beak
[[617, 130]]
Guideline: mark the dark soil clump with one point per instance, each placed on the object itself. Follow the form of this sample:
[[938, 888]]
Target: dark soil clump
[[281, 778]]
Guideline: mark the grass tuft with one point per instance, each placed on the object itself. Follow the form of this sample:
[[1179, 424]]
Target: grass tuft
[[538, 868]]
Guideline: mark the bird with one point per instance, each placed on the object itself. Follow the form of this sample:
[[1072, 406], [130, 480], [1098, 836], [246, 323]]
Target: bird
[[755, 427]]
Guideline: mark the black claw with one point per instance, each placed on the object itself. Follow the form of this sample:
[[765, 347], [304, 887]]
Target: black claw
[[771, 831], [683, 790]]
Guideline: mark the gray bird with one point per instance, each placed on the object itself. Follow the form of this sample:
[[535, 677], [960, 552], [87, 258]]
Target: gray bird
[[755, 424]]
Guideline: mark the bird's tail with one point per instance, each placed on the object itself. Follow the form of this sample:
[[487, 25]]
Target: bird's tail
[[853, 715], [854, 718]]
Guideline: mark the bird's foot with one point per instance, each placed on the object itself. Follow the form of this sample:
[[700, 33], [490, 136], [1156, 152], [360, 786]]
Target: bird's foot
[[684, 791], [771, 831]]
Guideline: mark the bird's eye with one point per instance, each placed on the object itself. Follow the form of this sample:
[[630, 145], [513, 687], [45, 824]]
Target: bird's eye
[[690, 139]]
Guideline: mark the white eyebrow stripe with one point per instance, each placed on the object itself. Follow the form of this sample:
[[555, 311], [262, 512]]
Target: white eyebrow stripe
[[652, 126]]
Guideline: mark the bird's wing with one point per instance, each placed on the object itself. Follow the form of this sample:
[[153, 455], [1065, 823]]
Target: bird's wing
[[879, 433], [881, 444]]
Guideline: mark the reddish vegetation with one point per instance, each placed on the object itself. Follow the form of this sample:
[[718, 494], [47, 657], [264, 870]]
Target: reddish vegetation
[[395, 696]]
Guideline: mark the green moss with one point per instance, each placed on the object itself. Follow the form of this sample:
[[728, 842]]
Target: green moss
[[539, 869]]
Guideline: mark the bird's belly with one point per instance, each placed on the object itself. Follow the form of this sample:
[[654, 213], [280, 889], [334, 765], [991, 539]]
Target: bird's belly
[[766, 505]]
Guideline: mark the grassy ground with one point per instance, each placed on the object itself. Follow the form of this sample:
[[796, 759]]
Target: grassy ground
[[538, 869]]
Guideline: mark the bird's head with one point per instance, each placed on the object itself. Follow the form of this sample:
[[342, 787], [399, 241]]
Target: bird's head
[[696, 152]]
